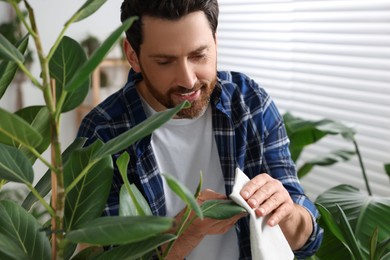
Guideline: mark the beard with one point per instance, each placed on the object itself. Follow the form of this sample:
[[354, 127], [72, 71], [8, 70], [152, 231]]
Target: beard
[[198, 107]]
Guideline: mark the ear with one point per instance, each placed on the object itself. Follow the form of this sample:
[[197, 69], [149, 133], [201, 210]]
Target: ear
[[131, 56]]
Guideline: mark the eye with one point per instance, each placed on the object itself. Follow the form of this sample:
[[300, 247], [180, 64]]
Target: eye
[[198, 57]]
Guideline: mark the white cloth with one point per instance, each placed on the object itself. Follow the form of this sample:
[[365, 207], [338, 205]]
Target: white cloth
[[267, 243]]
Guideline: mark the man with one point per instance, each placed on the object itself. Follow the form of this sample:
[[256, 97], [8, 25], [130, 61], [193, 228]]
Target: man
[[172, 49]]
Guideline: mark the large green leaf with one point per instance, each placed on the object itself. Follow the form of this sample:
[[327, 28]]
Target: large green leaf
[[303, 132], [43, 187], [13, 129], [327, 160], [9, 68], [364, 212], [39, 118], [9, 52], [221, 209], [66, 61], [82, 74], [141, 130], [184, 194], [15, 166], [90, 7], [119, 230], [22, 229], [87, 199], [138, 249]]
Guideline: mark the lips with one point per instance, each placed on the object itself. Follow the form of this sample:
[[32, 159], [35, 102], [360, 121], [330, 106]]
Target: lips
[[190, 96]]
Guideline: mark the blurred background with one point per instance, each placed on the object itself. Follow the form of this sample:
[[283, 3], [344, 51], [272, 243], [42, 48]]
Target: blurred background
[[317, 59]]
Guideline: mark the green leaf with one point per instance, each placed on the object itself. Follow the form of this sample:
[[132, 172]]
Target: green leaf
[[184, 194], [220, 209], [9, 52], [66, 61], [327, 160], [87, 199], [10, 250], [15, 129], [131, 201], [305, 132], [331, 224], [136, 250], [39, 118], [138, 132], [387, 169], [127, 205], [15, 166], [348, 234], [119, 230], [44, 184], [90, 7], [364, 213], [8, 68], [21, 229], [373, 243], [382, 250], [83, 73]]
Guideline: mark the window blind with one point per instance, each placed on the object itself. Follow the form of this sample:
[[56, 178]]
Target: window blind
[[320, 59]]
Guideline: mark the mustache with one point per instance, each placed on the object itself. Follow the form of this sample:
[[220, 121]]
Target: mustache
[[185, 90]]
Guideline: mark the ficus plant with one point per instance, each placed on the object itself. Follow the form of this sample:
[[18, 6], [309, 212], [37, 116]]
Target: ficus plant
[[356, 223], [78, 178]]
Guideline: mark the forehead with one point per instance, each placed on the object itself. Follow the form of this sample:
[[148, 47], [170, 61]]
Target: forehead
[[176, 36]]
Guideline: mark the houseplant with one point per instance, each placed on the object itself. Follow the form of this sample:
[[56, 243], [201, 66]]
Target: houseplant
[[79, 178], [356, 223]]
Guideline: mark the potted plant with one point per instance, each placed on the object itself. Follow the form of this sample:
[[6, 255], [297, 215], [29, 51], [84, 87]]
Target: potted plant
[[356, 223], [79, 178]]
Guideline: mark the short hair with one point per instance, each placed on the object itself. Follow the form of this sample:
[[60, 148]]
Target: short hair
[[164, 9]]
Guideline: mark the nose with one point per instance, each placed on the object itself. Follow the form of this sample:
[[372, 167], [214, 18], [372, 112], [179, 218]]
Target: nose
[[185, 75]]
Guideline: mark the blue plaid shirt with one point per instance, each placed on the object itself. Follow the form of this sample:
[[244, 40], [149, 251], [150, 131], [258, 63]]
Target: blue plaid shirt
[[249, 133]]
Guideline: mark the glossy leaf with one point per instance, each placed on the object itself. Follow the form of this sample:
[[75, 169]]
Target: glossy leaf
[[8, 68], [184, 194], [90, 7], [87, 199], [9, 52], [364, 212], [17, 130], [305, 132], [126, 203], [387, 169], [141, 130], [82, 74], [43, 186], [382, 250], [39, 118], [136, 250], [131, 201], [119, 230], [66, 61], [15, 166], [220, 209], [327, 160], [21, 229]]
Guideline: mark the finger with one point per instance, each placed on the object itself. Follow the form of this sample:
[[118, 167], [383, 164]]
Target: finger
[[253, 185], [265, 193], [272, 203], [278, 215]]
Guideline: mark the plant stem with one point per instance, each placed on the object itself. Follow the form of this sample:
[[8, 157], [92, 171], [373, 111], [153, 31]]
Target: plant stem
[[42, 200], [362, 167], [183, 226]]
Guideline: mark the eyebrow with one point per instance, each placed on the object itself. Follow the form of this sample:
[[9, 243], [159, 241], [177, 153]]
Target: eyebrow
[[167, 56]]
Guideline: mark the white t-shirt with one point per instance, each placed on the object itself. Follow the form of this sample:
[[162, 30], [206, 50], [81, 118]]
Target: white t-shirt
[[184, 148]]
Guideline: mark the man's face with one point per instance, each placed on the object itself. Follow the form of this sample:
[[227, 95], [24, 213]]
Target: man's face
[[178, 62]]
